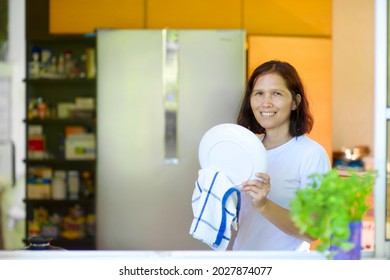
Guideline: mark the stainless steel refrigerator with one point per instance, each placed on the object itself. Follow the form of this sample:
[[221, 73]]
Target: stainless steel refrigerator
[[159, 91]]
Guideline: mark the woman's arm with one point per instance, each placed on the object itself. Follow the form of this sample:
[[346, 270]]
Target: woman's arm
[[276, 214], [280, 217]]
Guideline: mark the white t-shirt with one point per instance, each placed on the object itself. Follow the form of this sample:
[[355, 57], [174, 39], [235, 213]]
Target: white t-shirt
[[289, 167]]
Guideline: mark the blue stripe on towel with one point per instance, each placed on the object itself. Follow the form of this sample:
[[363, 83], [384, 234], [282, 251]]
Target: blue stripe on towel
[[210, 225], [215, 196], [207, 198], [199, 188], [195, 199]]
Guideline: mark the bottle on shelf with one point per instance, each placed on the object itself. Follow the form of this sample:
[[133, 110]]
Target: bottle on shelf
[[34, 65], [90, 63], [32, 109], [42, 108], [59, 185], [73, 184], [87, 184], [61, 66], [46, 55]]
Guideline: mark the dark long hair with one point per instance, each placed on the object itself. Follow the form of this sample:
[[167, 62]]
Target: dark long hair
[[301, 120]]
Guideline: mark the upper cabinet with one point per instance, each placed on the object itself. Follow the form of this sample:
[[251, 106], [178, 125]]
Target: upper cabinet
[[273, 17], [79, 17], [281, 17], [201, 14]]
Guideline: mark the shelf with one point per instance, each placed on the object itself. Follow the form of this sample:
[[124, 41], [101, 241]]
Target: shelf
[[59, 202], [69, 121], [75, 81], [63, 163], [55, 90], [58, 161]]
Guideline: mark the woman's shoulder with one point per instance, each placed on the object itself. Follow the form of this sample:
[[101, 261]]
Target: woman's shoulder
[[306, 142]]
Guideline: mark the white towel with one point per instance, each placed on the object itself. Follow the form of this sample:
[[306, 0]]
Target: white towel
[[216, 206]]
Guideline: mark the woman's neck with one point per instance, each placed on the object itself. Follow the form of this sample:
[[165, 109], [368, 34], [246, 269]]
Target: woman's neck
[[273, 140]]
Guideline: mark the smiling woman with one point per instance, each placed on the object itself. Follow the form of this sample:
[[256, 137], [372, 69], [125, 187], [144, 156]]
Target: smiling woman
[[275, 105]]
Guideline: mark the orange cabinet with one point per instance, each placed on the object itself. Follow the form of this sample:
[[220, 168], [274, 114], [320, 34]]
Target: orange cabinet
[[312, 58], [200, 14], [272, 17], [85, 16], [281, 17]]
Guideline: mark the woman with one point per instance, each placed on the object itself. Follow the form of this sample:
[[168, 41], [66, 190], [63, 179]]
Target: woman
[[275, 106]]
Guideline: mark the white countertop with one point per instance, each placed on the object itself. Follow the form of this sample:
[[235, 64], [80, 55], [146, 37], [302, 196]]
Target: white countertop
[[117, 255]]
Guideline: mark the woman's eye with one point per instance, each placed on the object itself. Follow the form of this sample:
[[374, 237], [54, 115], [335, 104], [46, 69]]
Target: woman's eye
[[277, 93]]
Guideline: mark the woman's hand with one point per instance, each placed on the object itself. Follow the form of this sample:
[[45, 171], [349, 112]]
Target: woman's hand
[[258, 190]]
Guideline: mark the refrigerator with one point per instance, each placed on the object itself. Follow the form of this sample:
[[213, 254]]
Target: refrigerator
[[158, 92]]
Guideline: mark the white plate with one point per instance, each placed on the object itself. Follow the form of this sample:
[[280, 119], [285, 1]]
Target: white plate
[[233, 150]]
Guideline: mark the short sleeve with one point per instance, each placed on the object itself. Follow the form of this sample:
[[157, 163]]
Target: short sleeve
[[316, 160]]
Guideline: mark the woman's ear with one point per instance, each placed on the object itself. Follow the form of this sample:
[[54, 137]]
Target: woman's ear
[[296, 102]]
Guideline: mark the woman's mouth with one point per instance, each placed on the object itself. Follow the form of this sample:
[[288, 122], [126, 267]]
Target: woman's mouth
[[268, 114]]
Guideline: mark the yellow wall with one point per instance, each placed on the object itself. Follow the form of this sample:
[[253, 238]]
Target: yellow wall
[[353, 73], [270, 17], [306, 55]]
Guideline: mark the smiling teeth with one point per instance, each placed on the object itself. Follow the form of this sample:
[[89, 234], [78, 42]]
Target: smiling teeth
[[268, 114]]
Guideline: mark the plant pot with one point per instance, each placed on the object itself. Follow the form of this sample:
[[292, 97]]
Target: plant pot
[[355, 237]]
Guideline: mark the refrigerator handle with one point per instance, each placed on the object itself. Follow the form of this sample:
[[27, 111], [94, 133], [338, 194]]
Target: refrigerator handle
[[13, 151]]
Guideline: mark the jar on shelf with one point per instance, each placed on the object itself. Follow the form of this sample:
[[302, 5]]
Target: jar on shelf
[[59, 185]]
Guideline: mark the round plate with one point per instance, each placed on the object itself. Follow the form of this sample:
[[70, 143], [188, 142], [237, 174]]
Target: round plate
[[233, 150]]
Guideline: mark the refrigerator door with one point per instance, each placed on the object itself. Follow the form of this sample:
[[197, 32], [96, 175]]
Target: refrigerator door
[[144, 201], [7, 147]]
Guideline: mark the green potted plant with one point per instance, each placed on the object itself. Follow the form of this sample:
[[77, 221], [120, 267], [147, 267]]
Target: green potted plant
[[331, 207]]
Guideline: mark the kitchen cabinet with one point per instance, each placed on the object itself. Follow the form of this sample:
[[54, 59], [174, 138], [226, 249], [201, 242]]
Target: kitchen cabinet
[[79, 17], [203, 14], [61, 140], [303, 53], [304, 18]]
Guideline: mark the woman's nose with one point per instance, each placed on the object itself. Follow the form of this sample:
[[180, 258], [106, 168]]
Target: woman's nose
[[266, 100]]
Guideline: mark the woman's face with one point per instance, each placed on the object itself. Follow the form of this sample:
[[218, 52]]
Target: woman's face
[[272, 103]]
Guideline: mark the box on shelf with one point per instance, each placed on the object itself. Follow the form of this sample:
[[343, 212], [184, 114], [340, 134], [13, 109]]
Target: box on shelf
[[38, 191], [85, 103], [82, 114], [74, 129], [36, 147], [64, 109], [80, 146], [35, 130]]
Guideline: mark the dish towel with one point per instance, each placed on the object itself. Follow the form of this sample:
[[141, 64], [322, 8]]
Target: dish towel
[[216, 206]]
